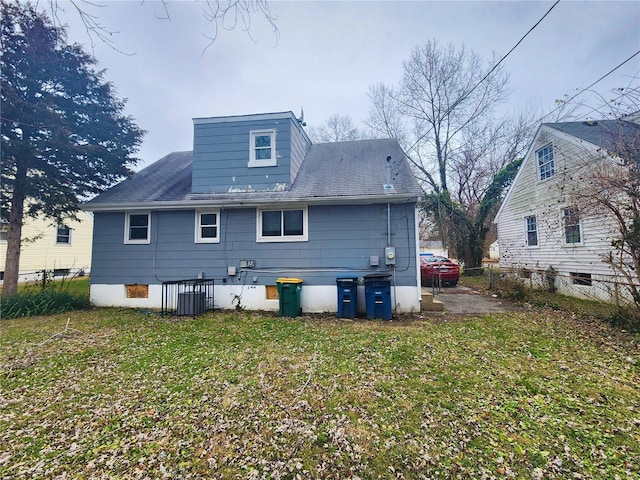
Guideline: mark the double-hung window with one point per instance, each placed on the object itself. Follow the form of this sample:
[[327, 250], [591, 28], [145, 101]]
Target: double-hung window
[[208, 226], [286, 225], [571, 224], [546, 167], [63, 235], [137, 228], [531, 226], [262, 152]]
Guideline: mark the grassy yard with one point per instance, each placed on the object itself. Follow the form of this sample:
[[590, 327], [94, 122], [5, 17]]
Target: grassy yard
[[537, 394]]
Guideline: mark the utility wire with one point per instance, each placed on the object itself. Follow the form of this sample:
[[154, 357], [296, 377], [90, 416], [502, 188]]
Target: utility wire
[[587, 88], [506, 55], [465, 96]]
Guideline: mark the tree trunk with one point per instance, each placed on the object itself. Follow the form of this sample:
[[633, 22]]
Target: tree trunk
[[12, 260]]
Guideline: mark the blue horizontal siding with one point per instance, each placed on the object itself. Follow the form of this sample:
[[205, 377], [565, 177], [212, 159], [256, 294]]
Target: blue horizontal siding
[[221, 155], [340, 238]]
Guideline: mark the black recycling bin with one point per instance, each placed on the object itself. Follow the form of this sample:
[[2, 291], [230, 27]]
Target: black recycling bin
[[347, 296], [377, 294]]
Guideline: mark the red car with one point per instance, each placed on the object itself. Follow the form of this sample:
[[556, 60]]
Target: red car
[[440, 268]]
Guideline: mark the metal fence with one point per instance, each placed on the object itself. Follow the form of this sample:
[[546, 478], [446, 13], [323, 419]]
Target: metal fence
[[602, 288], [190, 297]]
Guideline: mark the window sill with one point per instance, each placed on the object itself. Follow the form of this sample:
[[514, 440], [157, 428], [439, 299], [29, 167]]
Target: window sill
[[262, 163]]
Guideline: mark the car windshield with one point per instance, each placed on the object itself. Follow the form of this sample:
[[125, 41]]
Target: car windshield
[[435, 259]]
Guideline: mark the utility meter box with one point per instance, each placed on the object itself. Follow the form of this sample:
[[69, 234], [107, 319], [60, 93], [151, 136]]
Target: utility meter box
[[390, 255]]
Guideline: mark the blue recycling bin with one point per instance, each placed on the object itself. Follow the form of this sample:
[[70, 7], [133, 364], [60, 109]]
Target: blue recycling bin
[[377, 293], [347, 296]]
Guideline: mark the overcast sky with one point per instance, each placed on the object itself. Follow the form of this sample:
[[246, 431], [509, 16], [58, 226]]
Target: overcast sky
[[328, 54]]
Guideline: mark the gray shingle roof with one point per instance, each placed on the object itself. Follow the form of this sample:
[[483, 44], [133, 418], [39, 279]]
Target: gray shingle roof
[[608, 134], [348, 170]]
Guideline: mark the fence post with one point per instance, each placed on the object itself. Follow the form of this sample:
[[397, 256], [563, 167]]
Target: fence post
[[490, 277]]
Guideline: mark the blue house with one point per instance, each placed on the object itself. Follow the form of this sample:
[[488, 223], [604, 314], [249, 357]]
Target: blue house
[[253, 202]]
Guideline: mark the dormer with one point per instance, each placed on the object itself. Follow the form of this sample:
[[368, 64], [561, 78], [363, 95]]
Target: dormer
[[247, 153]]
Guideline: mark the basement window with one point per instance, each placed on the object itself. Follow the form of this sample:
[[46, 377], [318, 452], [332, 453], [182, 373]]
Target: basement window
[[579, 278], [137, 291]]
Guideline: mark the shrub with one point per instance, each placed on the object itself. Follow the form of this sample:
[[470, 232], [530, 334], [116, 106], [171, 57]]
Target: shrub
[[626, 318], [512, 288], [42, 303]]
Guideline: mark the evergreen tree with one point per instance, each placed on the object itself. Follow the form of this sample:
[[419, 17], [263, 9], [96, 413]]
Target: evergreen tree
[[64, 133]]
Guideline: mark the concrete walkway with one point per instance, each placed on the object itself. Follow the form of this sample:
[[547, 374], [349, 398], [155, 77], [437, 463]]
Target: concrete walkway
[[466, 300]]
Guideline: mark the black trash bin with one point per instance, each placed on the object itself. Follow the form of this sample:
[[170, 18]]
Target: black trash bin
[[377, 294], [347, 296]]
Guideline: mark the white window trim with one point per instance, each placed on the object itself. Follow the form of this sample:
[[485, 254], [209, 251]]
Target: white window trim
[[70, 236], [198, 232], [564, 232], [145, 241], [288, 238], [553, 159], [526, 232], [268, 162]]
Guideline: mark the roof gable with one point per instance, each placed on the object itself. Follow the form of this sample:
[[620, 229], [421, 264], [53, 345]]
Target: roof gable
[[614, 136]]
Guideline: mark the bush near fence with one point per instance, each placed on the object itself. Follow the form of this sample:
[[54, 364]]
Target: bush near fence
[[605, 297]]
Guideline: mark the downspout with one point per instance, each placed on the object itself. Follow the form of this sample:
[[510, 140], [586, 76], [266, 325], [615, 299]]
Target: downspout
[[389, 185]]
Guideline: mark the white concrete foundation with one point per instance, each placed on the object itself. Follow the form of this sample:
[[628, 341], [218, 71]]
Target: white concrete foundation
[[313, 299]]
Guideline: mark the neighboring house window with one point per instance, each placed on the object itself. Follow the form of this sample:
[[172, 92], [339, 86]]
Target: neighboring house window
[[571, 223], [579, 278], [137, 229], [63, 235], [532, 230], [546, 167], [288, 225], [263, 148], [4, 230], [207, 226]]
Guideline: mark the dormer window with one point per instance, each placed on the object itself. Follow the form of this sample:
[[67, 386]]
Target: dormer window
[[263, 148]]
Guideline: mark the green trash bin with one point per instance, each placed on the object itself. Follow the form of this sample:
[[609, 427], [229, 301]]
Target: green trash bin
[[289, 290]]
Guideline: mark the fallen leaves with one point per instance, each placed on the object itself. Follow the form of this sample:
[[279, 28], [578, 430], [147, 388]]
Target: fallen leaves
[[251, 396]]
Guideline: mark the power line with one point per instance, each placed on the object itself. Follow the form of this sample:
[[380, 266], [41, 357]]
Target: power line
[[465, 96], [587, 88], [506, 55]]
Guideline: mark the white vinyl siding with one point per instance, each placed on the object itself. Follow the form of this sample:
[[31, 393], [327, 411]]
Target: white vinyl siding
[[547, 200]]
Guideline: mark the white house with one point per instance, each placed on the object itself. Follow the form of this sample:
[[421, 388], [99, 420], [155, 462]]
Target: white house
[[548, 226]]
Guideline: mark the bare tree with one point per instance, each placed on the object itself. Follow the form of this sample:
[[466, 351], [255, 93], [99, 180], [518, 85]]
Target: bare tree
[[337, 128], [220, 14], [443, 113]]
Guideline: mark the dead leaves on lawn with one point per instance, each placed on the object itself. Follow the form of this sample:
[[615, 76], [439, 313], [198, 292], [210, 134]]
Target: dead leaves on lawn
[[523, 395]]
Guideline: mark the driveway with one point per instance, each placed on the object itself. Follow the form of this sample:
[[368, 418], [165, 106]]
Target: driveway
[[461, 299]]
